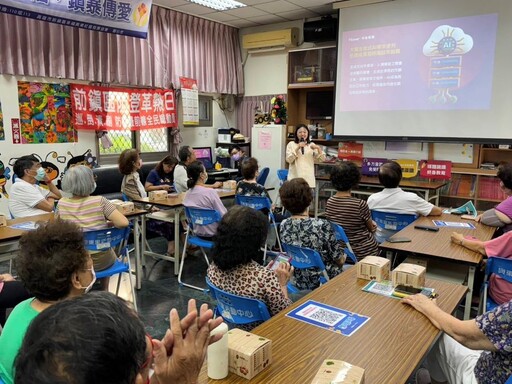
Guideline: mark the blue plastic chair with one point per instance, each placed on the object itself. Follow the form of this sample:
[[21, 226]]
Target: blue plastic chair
[[391, 223], [104, 239], [262, 177], [259, 203], [341, 235], [282, 175], [303, 258], [500, 267], [509, 381], [197, 217], [237, 310]]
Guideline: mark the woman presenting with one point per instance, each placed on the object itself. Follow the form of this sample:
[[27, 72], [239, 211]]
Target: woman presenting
[[301, 155]]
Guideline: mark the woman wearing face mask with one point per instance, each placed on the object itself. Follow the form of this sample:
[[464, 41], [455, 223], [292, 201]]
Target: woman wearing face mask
[[54, 265], [301, 154], [238, 156], [199, 196], [89, 212], [27, 198], [129, 164]]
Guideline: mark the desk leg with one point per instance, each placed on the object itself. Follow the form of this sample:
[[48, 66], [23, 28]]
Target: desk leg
[[427, 196], [136, 241], [317, 190], [469, 295], [177, 225]]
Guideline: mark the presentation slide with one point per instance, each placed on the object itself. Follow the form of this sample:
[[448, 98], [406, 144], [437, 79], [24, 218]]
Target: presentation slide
[[434, 70]]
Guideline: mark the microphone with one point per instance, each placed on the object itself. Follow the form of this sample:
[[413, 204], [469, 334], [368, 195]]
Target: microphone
[[302, 149]]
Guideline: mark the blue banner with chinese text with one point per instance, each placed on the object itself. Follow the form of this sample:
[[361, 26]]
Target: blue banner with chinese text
[[122, 17]]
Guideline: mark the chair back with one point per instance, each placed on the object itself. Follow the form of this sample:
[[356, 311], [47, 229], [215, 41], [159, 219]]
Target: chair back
[[103, 239], [393, 221], [303, 258], [340, 234], [262, 177], [237, 309], [282, 175], [201, 216], [500, 267], [254, 202]]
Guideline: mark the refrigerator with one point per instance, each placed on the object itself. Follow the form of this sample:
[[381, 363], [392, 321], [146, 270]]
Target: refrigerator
[[268, 145]]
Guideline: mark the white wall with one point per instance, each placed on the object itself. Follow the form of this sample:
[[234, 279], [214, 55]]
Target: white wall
[[10, 151]]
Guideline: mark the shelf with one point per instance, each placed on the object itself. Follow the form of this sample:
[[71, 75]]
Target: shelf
[[458, 197], [322, 84], [475, 171]]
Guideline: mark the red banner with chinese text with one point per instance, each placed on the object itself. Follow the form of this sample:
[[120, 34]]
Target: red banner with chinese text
[[106, 108], [433, 169]]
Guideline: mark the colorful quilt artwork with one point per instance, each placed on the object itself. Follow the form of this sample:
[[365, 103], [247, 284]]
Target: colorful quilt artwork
[[45, 113], [2, 133]]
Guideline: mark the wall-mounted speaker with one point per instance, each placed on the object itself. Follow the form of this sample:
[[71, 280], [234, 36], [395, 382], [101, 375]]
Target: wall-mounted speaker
[[321, 30]]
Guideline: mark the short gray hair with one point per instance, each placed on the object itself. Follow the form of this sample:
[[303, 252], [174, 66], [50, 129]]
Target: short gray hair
[[79, 181]]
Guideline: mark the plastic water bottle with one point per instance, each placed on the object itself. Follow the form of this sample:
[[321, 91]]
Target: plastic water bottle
[[218, 356]]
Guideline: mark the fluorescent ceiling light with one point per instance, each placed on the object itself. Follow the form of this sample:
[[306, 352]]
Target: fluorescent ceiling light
[[219, 5]]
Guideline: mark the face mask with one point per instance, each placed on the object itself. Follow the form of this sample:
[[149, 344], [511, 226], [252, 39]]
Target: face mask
[[236, 157], [41, 174], [89, 287]]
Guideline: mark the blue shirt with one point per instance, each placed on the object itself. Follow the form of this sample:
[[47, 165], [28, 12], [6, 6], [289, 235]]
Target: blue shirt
[[155, 179]]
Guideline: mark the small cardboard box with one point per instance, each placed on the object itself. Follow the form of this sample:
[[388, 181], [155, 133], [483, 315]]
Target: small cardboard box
[[123, 206], [230, 184], [411, 275], [373, 268], [3, 220], [339, 372], [249, 354], [157, 195]]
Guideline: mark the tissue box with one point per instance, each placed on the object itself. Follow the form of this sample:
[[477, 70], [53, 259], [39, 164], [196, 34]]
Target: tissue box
[[157, 195], [339, 372], [412, 275], [123, 206], [3, 220], [373, 268], [249, 354], [230, 184]]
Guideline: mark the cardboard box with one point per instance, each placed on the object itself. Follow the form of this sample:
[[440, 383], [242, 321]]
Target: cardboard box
[[411, 275], [339, 372], [157, 195], [230, 184], [249, 354], [373, 268], [3, 220], [123, 206]]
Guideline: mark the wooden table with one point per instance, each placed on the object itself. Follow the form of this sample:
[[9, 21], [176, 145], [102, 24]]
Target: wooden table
[[437, 245], [429, 189], [173, 202], [389, 346]]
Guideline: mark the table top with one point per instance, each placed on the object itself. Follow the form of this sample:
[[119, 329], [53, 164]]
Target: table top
[[438, 244], [8, 233], [389, 346], [406, 183], [176, 200]]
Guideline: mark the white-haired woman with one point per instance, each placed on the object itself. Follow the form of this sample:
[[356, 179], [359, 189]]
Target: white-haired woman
[[89, 212]]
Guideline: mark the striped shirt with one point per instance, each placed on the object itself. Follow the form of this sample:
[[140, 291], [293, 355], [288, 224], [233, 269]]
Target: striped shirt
[[89, 212], [353, 214]]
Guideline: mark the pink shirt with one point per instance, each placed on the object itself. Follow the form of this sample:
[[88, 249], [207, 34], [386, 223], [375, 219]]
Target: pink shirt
[[208, 198], [500, 290]]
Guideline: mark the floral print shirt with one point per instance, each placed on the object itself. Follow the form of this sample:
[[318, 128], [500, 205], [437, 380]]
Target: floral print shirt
[[496, 367], [254, 281], [316, 234]]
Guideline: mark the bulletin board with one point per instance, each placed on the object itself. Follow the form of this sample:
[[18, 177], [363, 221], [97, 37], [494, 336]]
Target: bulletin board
[[461, 155]]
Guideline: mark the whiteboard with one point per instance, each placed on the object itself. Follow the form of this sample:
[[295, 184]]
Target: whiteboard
[[456, 153]]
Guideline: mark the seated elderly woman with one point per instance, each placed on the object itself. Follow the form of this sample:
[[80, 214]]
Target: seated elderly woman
[[237, 246], [161, 178], [470, 351], [303, 231], [350, 212], [89, 212], [129, 164], [54, 265], [501, 215], [199, 196]]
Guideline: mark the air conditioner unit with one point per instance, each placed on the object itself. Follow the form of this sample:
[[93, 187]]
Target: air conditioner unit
[[280, 38]]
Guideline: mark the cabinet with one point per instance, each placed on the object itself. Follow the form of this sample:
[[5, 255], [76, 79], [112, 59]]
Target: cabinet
[[478, 185], [310, 70]]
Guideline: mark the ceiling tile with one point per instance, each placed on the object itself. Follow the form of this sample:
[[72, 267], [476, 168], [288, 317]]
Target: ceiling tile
[[297, 15], [254, 2], [221, 16], [268, 19], [194, 9], [242, 23], [307, 3], [170, 3], [246, 12], [277, 6], [323, 9]]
